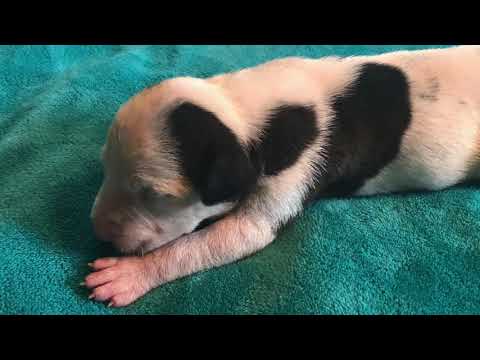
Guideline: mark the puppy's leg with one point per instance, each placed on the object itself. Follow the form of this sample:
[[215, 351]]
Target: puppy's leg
[[121, 281]]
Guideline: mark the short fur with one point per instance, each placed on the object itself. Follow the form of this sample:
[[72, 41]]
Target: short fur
[[370, 121], [250, 148]]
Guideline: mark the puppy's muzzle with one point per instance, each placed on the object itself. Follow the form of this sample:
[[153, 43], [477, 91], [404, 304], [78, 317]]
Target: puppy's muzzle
[[106, 226], [114, 230], [106, 229]]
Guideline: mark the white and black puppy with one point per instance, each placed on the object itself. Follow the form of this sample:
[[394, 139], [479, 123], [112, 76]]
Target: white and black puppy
[[251, 148]]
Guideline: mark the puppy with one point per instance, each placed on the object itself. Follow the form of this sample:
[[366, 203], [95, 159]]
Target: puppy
[[247, 151]]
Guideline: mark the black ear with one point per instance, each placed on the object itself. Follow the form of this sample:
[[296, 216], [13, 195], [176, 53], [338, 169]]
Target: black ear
[[211, 156]]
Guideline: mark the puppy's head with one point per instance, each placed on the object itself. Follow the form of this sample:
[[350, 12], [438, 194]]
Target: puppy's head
[[174, 156]]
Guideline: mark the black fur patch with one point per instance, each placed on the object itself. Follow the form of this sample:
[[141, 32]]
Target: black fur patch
[[431, 93], [211, 156], [289, 130], [370, 120]]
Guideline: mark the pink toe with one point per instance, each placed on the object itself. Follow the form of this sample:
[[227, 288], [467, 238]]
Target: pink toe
[[103, 263]]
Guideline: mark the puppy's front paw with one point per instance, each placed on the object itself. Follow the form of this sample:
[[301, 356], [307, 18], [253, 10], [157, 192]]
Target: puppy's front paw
[[120, 281]]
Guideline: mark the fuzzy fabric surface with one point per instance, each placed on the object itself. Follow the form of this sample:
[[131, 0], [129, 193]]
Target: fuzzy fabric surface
[[400, 254]]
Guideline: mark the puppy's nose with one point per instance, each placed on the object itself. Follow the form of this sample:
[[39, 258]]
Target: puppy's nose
[[106, 229]]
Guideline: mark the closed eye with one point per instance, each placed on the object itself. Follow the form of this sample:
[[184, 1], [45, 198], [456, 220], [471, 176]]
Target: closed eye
[[148, 193]]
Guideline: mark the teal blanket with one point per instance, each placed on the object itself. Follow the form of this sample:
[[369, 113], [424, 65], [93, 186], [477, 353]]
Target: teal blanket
[[402, 254]]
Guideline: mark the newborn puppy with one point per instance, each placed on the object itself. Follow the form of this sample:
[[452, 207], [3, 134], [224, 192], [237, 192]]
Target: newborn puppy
[[252, 148]]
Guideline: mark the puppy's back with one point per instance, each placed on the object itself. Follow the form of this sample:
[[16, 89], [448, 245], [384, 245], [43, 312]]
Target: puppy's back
[[441, 146]]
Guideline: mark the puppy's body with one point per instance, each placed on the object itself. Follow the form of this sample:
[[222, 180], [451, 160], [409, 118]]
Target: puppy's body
[[254, 146], [441, 145]]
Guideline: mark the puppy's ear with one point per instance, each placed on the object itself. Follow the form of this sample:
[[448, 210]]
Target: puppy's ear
[[211, 156]]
